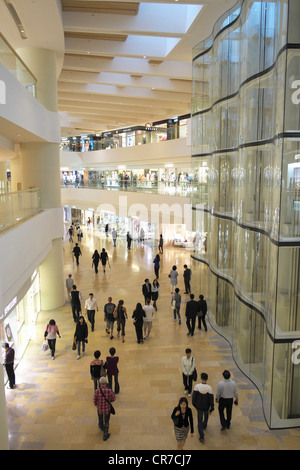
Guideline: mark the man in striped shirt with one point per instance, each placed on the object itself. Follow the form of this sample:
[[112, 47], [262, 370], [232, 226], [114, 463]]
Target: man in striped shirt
[[103, 396]]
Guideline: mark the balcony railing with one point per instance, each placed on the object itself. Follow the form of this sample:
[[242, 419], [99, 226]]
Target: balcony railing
[[18, 206], [12, 62], [156, 187]]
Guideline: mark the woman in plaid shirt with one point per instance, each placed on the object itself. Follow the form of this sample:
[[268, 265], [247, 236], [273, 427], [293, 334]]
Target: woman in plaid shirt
[[103, 407]]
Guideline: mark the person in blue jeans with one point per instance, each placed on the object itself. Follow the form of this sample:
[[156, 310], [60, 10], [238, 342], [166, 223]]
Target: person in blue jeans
[[203, 401]]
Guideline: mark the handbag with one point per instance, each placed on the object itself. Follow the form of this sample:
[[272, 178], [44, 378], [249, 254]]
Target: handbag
[[173, 303], [74, 345], [112, 410], [45, 346]]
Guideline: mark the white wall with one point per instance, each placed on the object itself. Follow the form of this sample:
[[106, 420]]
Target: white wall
[[154, 208], [175, 151], [23, 248], [21, 113]]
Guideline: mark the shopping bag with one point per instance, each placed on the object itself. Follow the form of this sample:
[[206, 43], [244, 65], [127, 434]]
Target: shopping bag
[[45, 346]]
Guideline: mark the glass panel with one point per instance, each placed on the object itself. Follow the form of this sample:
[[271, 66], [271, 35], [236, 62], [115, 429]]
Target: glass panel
[[13, 63], [18, 206]]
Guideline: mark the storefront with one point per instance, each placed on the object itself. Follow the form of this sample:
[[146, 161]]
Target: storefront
[[19, 317]]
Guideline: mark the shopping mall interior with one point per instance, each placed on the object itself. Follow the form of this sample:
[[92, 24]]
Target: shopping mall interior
[[147, 120]]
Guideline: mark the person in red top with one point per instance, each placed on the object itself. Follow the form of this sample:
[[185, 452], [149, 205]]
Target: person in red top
[[103, 396]]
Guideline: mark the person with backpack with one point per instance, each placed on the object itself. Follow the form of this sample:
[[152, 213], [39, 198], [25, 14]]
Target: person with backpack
[[109, 318]]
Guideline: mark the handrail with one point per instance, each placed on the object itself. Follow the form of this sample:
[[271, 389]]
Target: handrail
[[33, 79]]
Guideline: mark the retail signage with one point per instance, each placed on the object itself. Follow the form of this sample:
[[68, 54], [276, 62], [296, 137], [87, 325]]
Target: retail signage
[[9, 307], [2, 92], [296, 94], [296, 354]]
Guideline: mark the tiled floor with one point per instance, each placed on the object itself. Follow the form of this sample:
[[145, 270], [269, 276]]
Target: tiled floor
[[52, 407]]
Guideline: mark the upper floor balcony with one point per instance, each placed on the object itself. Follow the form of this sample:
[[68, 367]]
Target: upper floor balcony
[[18, 206]]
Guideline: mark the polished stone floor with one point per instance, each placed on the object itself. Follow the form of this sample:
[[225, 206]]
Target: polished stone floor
[[52, 407]]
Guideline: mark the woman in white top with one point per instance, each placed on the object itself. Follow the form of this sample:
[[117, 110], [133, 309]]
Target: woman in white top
[[173, 277], [50, 333], [188, 366]]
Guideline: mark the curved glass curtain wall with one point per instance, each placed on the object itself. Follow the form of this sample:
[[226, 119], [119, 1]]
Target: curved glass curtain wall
[[246, 146]]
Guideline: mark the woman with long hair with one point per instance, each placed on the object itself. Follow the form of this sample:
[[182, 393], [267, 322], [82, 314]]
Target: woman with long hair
[[138, 317], [182, 417], [120, 315]]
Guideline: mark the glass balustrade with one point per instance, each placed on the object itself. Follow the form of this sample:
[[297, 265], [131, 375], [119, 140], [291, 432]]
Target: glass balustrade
[[12, 62], [157, 187], [18, 206]]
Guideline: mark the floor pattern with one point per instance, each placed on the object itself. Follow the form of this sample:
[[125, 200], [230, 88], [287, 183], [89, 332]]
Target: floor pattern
[[52, 407]]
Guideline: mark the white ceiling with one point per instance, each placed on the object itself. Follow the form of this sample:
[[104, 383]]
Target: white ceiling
[[118, 69]]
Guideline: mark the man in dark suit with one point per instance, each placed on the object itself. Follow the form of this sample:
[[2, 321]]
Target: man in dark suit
[[202, 311], [191, 314], [146, 289]]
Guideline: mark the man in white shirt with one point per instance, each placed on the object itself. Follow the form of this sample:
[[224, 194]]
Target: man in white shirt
[[90, 307], [149, 311], [69, 285], [188, 366], [226, 392]]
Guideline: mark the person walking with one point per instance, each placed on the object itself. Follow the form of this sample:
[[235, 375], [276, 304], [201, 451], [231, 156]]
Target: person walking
[[187, 273], [109, 318], [77, 253], [182, 417], [138, 317], [106, 229], [112, 370], [149, 311], [70, 231], [79, 234], [146, 289], [9, 360], [81, 335], [129, 240], [203, 401], [191, 314], [188, 367], [97, 369], [90, 308], [173, 278], [75, 303], [69, 285], [51, 331], [176, 302], [161, 244], [104, 258], [96, 259], [202, 311], [103, 397], [114, 236], [226, 395], [154, 292], [156, 263], [120, 315]]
